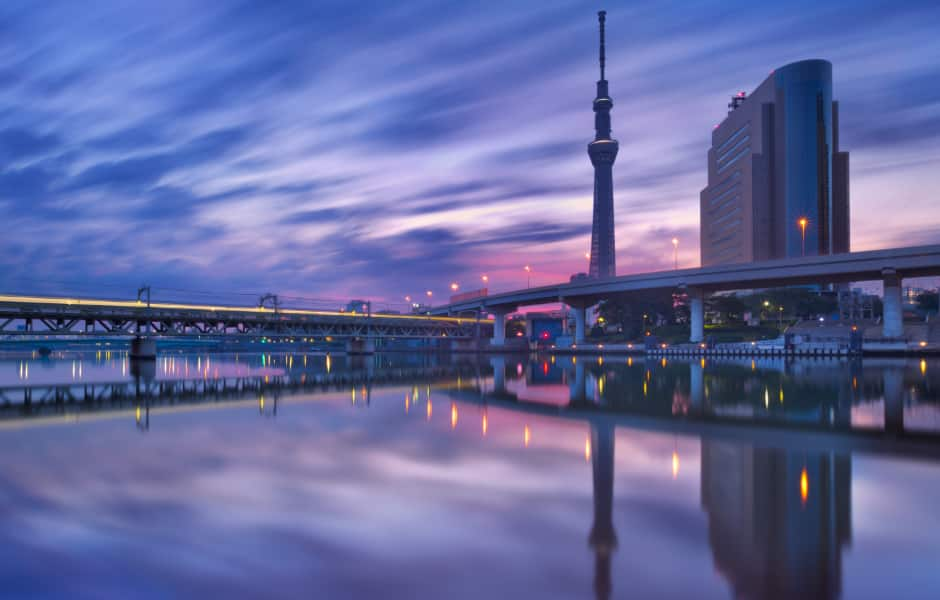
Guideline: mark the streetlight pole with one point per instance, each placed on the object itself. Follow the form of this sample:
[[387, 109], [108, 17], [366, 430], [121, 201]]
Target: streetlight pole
[[528, 271], [675, 252]]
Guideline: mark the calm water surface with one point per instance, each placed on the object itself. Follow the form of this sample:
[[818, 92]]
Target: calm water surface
[[407, 476]]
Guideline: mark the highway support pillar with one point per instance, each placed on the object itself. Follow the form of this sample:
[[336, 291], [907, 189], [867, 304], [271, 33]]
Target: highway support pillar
[[499, 327], [893, 318], [697, 315], [580, 321]]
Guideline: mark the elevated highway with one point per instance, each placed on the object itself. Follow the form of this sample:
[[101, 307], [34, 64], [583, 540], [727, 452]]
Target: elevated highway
[[889, 266]]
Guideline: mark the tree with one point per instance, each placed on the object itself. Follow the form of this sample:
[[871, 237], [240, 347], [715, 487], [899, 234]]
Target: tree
[[638, 311], [928, 301], [731, 308]]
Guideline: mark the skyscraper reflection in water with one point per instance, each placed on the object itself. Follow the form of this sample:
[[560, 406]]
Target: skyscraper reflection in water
[[777, 519]]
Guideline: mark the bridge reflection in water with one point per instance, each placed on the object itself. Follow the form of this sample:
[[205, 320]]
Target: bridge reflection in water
[[776, 438]]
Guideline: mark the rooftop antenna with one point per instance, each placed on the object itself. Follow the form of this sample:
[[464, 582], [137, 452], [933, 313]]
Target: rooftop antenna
[[602, 18]]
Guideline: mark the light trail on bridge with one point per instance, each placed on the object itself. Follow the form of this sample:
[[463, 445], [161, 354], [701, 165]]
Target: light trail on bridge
[[138, 304]]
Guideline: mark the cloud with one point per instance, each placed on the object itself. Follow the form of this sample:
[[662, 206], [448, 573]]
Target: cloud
[[384, 149]]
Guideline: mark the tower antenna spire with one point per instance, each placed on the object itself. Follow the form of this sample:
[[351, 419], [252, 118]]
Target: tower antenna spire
[[602, 18]]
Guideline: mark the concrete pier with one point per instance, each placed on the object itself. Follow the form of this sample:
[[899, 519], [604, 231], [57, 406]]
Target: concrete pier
[[499, 329], [893, 311], [143, 348], [360, 346], [580, 321], [697, 320]]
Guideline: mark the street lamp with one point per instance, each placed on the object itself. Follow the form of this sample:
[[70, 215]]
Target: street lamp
[[675, 252], [528, 271], [485, 279], [803, 222], [407, 298], [454, 286]]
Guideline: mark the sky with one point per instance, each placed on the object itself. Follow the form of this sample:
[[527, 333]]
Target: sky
[[330, 150]]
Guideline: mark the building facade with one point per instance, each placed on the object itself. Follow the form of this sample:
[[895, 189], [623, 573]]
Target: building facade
[[778, 183]]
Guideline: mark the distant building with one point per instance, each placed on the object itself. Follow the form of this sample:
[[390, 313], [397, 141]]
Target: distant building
[[909, 294], [357, 306], [778, 184]]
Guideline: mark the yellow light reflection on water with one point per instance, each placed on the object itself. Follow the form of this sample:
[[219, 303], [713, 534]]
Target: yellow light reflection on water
[[675, 464], [923, 367], [453, 415], [486, 423], [804, 486], [526, 435], [407, 403], [587, 449], [429, 409], [329, 363]]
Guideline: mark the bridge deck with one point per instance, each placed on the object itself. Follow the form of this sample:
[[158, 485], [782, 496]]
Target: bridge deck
[[916, 261]]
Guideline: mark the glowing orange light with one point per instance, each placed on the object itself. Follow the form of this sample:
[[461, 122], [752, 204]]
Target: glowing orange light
[[407, 403], [526, 436], [587, 449], [485, 278], [454, 286], [486, 424], [675, 464], [804, 486], [429, 409], [453, 415]]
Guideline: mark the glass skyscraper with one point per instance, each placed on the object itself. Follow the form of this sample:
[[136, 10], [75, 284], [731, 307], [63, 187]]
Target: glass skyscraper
[[777, 181]]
